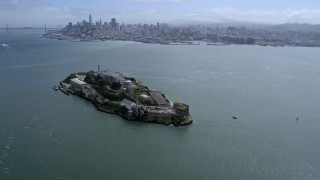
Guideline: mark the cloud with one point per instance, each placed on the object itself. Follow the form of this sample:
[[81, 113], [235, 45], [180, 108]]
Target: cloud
[[264, 16], [40, 12], [20, 4]]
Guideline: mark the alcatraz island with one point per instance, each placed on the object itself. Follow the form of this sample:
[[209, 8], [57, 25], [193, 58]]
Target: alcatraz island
[[112, 92]]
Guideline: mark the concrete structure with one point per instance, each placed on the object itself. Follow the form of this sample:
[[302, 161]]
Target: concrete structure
[[127, 84], [100, 99], [111, 77], [158, 97], [77, 84], [128, 104], [127, 87], [159, 116], [144, 96], [181, 108]]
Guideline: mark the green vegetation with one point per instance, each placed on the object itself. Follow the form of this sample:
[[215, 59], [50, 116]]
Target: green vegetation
[[74, 75], [89, 79], [126, 96], [130, 78], [103, 92], [115, 107], [113, 96], [82, 73], [71, 76], [115, 86], [101, 83], [177, 118]]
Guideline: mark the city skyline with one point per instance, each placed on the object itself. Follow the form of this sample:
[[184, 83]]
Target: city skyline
[[58, 12]]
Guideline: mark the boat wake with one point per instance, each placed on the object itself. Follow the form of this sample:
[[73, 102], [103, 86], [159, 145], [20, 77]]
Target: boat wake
[[11, 52], [6, 46], [4, 154]]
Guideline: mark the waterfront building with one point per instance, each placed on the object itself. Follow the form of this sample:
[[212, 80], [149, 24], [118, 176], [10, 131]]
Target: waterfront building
[[181, 108], [158, 115], [77, 84]]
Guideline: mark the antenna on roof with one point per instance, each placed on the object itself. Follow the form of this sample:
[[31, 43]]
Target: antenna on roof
[[98, 68]]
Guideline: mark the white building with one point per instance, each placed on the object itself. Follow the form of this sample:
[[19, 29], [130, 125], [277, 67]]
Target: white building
[[127, 84], [77, 84]]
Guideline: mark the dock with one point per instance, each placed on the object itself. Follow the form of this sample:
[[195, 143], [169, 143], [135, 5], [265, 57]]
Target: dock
[[63, 90]]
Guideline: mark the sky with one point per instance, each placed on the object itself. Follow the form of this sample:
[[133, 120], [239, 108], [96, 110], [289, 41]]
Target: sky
[[59, 12]]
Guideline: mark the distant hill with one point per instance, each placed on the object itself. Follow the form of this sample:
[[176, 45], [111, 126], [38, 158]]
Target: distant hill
[[297, 27], [284, 27], [281, 27]]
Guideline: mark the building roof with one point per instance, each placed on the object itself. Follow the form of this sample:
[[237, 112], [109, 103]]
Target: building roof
[[111, 73], [144, 96], [158, 97], [180, 105], [78, 81]]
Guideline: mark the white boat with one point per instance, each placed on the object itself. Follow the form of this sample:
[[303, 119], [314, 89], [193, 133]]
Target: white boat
[[55, 87]]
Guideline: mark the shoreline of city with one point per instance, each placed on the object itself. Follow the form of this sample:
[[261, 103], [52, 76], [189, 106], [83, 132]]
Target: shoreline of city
[[166, 34]]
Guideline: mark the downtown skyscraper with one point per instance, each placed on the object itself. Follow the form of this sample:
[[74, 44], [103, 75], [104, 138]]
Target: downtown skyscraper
[[90, 19]]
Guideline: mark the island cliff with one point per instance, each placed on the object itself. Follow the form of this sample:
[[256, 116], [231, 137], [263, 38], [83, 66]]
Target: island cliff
[[112, 92]]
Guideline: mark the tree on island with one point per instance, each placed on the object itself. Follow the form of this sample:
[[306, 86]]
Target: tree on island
[[68, 79], [88, 79], [115, 86], [101, 83]]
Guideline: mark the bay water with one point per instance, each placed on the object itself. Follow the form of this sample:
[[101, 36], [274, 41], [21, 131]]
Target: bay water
[[273, 91]]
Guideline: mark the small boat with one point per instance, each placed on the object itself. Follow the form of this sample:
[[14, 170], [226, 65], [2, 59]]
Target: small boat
[[55, 87]]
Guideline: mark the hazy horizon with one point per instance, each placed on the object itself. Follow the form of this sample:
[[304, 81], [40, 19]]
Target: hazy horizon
[[58, 12]]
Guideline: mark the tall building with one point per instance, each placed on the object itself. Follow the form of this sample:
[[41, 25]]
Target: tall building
[[90, 19], [113, 23]]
